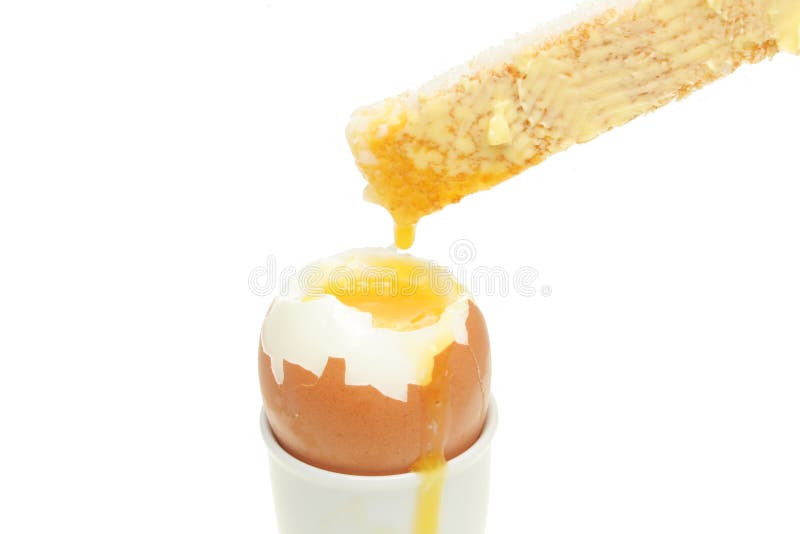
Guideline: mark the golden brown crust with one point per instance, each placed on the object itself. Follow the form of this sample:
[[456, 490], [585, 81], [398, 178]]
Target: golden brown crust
[[422, 152]]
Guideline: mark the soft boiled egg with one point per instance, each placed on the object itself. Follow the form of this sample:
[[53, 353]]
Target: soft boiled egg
[[375, 363]]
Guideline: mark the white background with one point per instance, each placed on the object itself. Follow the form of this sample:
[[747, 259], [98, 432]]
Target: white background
[[153, 153]]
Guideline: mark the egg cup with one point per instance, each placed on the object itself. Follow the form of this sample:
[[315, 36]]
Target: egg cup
[[309, 500]]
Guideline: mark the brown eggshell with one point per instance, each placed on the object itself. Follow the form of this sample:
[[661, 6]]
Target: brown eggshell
[[357, 430]]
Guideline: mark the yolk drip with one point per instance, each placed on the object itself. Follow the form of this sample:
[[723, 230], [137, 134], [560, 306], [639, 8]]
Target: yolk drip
[[404, 235], [432, 465], [404, 293], [401, 292], [431, 471]]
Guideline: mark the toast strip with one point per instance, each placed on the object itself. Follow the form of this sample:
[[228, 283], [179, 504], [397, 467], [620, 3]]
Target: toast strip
[[513, 107]]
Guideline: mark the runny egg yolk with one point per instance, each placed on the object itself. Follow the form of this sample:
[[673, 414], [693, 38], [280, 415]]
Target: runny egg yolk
[[401, 292], [404, 293], [431, 471], [432, 465], [404, 235]]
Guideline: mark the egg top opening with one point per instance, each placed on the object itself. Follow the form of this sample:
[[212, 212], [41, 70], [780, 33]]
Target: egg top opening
[[387, 315], [400, 292]]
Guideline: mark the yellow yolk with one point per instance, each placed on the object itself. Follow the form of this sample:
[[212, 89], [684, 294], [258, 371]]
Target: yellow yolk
[[431, 471], [401, 292], [432, 465], [404, 235], [404, 293]]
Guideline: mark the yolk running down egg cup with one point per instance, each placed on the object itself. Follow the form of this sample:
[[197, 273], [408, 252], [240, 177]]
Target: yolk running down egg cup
[[375, 372]]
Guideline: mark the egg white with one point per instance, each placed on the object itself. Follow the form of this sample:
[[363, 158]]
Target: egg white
[[306, 332]]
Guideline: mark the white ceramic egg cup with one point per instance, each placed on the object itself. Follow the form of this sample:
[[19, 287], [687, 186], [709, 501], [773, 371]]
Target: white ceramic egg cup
[[309, 500]]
